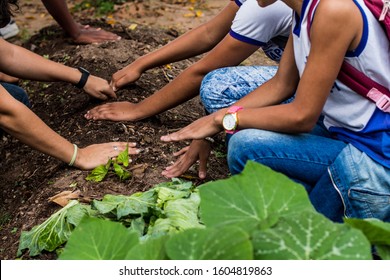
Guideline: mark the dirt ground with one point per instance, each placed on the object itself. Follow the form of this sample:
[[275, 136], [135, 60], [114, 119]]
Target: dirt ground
[[28, 178]]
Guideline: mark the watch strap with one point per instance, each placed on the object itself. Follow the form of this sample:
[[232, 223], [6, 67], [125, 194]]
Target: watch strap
[[84, 77], [234, 109]]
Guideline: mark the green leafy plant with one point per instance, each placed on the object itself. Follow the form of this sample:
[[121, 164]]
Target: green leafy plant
[[55, 231], [259, 214], [165, 209], [117, 166]]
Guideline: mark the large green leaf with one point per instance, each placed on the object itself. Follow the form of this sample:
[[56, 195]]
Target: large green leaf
[[383, 251], [96, 239], [121, 206], [308, 236], [255, 198], [219, 243], [179, 215], [54, 231], [151, 249], [377, 232]]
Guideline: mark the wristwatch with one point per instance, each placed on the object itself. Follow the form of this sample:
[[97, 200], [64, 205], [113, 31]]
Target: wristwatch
[[230, 120], [84, 77]]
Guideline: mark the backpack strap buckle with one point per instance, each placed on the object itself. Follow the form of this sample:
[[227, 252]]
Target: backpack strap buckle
[[381, 100], [385, 10]]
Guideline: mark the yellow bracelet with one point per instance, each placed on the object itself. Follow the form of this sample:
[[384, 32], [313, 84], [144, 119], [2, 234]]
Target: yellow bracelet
[[74, 155]]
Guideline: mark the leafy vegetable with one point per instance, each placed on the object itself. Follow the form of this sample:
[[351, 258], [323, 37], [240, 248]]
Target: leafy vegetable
[[259, 214], [123, 157], [98, 174], [54, 231], [121, 206], [219, 243], [167, 208], [179, 214], [121, 173], [310, 236], [256, 198], [94, 245], [101, 171], [377, 232]]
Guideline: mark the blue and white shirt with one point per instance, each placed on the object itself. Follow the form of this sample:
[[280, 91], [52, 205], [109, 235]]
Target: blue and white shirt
[[267, 27], [351, 117]]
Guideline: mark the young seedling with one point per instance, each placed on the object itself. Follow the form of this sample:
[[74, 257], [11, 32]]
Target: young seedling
[[116, 165]]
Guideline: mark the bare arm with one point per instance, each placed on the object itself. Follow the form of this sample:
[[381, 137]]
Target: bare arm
[[230, 52], [192, 43], [22, 123], [58, 9], [335, 30], [19, 62]]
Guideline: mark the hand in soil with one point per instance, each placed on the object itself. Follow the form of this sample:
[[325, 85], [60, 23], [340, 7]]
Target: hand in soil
[[90, 35], [98, 154], [116, 111], [127, 75], [198, 150], [99, 88]]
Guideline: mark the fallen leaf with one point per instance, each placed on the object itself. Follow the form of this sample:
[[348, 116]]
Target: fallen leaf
[[138, 170], [63, 198], [132, 26], [199, 13]]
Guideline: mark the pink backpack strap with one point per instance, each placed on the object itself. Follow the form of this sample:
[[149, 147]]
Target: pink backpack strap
[[353, 78], [363, 85], [381, 10]]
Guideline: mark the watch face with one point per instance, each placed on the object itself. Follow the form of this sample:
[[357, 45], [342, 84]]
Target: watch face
[[229, 122]]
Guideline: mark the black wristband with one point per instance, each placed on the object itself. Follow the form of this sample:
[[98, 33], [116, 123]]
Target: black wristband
[[84, 77]]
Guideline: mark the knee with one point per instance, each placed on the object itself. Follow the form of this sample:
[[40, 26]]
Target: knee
[[211, 90], [252, 144]]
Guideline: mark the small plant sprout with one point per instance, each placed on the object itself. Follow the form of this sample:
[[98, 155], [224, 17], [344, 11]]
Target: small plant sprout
[[117, 166]]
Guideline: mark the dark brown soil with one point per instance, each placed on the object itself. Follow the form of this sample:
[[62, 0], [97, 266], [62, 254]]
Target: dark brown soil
[[28, 178]]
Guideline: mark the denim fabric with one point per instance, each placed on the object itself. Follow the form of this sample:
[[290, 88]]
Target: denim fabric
[[225, 86], [17, 92], [363, 184]]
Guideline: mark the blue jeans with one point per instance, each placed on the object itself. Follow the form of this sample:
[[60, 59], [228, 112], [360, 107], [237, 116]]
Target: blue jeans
[[304, 158], [225, 86], [17, 92]]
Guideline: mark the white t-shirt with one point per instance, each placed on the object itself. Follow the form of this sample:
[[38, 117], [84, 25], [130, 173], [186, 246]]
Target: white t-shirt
[[267, 27]]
